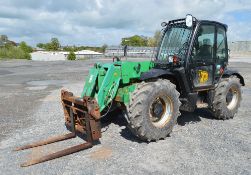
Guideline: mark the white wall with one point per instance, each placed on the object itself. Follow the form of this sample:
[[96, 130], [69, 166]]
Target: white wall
[[47, 56]]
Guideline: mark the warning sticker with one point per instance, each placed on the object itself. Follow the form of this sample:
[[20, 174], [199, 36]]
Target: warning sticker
[[203, 76]]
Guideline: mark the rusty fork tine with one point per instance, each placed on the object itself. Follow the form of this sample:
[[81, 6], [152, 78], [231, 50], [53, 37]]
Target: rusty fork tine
[[58, 154], [86, 113], [47, 141]]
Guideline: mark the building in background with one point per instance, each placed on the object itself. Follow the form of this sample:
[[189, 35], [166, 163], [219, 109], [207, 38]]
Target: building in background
[[5, 41], [240, 46], [42, 55], [86, 54]]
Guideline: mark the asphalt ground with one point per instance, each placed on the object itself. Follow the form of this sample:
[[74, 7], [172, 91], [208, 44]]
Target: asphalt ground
[[30, 110]]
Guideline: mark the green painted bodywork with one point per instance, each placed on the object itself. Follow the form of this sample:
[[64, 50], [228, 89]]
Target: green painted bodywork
[[114, 81]]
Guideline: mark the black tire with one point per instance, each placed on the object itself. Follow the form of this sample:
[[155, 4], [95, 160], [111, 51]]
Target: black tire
[[138, 111], [222, 108]]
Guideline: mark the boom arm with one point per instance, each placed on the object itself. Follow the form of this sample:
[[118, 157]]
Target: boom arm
[[113, 81]]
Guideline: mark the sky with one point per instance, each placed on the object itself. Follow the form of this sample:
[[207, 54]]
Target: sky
[[98, 22]]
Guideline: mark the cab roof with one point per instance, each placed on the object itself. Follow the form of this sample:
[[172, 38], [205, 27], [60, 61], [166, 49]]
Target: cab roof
[[183, 20]]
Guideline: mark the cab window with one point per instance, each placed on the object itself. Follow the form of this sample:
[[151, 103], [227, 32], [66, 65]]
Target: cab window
[[221, 52], [204, 44]]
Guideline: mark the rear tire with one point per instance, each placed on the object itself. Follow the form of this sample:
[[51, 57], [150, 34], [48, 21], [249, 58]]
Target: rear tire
[[227, 98], [153, 109]]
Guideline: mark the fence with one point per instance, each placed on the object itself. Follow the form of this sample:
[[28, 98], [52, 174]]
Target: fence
[[236, 48], [146, 52]]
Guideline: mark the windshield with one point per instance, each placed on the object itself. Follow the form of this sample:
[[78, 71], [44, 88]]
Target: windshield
[[175, 42]]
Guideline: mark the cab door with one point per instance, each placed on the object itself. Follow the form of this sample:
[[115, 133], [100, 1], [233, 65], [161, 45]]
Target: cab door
[[221, 51], [202, 58]]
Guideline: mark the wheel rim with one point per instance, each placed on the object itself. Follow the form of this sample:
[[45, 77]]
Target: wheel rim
[[232, 98], [161, 111]]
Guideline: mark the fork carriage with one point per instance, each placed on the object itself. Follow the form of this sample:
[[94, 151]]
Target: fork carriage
[[82, 117]]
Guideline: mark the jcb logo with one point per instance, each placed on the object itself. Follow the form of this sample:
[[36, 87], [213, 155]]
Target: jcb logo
[[203, 76]]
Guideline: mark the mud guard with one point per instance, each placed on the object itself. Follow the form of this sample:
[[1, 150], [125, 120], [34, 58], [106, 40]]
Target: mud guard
[[154, 73], [228, 73]]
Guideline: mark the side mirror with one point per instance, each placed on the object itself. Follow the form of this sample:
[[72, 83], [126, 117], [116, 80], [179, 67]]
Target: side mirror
[[189, 20]]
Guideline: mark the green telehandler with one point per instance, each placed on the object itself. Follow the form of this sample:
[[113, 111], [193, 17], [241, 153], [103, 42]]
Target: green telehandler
[[189, 71]]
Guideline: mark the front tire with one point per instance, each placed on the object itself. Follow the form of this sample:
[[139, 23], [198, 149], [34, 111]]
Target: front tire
[[153, 109], [227, 98]]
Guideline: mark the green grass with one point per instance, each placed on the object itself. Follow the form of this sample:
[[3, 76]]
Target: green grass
[[13, 53], [83, 59]]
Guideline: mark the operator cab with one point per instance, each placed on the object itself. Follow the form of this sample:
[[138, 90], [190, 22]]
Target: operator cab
[[200, 46]]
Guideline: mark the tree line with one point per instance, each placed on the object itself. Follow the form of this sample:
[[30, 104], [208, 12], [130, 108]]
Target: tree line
[[9, 49], [142, 41], [54, 45]]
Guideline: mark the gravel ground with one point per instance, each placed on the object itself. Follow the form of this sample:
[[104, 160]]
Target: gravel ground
[[31, 110]]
